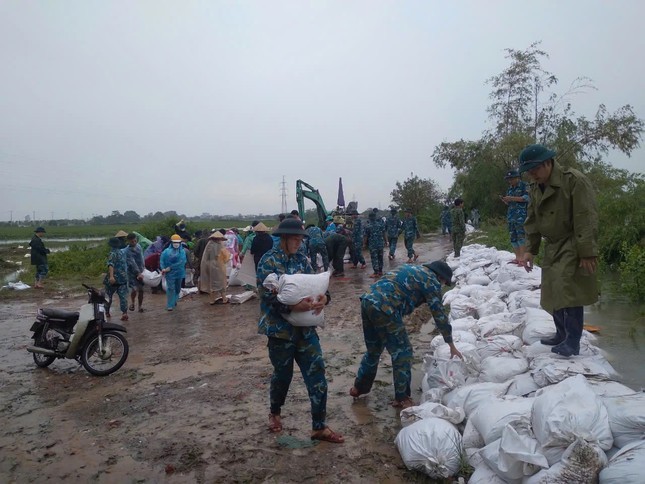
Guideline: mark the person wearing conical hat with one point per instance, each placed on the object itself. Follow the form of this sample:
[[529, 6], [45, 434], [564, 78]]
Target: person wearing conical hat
[[213, 269], [262, 242]]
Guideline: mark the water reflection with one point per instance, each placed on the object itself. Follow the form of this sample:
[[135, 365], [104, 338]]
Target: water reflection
[[622, 336]]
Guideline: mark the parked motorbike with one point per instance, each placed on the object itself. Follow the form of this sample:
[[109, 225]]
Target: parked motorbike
[[84, 336]]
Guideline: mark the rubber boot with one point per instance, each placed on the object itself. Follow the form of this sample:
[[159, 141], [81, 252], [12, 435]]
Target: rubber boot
[[573, 325], [558, 337]]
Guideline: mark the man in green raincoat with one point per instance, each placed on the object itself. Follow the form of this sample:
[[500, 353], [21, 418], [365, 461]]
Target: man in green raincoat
[[562, 212]]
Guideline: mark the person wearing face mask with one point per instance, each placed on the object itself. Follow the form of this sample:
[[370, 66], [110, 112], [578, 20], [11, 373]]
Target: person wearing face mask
[[173, 265], [288, 344]]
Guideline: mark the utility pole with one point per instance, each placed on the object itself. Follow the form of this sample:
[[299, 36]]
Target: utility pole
[[283, 190], [52, 216], [10, 215]]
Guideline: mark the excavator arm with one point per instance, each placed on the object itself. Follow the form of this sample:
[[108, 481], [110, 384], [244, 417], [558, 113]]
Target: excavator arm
[[312, 194]]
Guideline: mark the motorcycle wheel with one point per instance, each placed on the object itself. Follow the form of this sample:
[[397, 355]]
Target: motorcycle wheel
[[43, 361], [115, 352]]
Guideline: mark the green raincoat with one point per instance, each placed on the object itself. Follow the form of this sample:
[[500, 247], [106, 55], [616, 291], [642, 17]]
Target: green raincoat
[[565, 216]]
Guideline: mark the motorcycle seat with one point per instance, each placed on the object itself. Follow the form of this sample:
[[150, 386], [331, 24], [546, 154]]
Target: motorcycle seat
[[60, 314]]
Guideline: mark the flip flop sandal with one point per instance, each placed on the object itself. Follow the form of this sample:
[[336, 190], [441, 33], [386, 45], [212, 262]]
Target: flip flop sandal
[[331, 436], [131, 308], [141, 310], [402, 404], [275, 424]]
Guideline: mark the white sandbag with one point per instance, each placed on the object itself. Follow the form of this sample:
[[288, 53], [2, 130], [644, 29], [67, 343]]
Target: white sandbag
[[470, 396], [434, 395], [502, 368], [568, 411], [430, 409], [150, 278], [463, 306], [608, 388], [491, 306], [444, 372], [473, 457], [471, 437], [457, 336], [515, 454], [242, 297], [626, 417], [550, 368], [625, 467], [463, 324], [580, 463], [499, 324], [523, 299], [17, 286], [187, 291], [498, 345], [494, 413], [450, 295], [485, 475], [244, 274], [293, 288], [539, 324], [522, 385], [480, 279], [432, 446], [443, 351]]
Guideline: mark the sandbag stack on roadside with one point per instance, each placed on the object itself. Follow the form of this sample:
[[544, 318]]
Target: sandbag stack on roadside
[[529, 416]]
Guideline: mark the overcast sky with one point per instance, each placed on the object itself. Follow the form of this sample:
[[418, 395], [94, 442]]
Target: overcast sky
[[204, 106]]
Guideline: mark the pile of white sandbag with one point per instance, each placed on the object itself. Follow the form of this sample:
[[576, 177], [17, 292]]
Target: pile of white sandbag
[[515, 411]]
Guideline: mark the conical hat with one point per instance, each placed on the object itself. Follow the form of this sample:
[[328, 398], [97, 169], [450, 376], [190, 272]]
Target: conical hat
[[121, 233], [260, 228]]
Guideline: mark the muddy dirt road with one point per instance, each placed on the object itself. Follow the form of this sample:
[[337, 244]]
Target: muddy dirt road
[[191, 402]]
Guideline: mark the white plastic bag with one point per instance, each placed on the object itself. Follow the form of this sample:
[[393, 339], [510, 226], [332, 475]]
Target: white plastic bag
[[580, 462], [568, 411], [432, 446], [444, 372], [150, 278], [502, 368], [430, 409], [626, 417], [627, 466], [293, 288]]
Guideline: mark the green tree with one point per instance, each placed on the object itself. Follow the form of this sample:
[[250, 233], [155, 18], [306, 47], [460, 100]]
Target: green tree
[[523, 110], [422, 196]]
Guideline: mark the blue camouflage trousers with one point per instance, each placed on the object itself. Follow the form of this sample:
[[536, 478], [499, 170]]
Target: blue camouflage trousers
[[307, 353], [392, 241], [122, 291], [382, 331], [409, 243], [314, 250], [377, 259]]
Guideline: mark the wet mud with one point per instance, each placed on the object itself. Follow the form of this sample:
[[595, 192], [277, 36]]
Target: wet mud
[[191, 402]]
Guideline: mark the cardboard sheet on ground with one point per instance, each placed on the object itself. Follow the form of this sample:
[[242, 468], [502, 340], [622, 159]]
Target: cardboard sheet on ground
[[246, 273]]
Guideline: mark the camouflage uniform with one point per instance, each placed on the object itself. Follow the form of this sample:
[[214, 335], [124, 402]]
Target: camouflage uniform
[[289, 343], [446, 221], [516, 213], [357, 240], [393, 229], [394, 296], [458, 229], [317, 246], [410, 232], [375, 234], [117, 260]]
